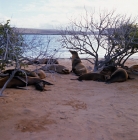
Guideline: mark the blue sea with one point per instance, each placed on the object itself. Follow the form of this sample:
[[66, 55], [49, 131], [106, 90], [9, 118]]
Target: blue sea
[[51, 45], [46, 43]]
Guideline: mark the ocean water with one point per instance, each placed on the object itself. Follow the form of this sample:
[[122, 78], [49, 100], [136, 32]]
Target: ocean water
[[46, 44], [49, 45]]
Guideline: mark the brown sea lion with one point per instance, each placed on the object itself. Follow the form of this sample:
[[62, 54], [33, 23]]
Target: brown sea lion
[[40, 73], [120, 75], [18, 81], [43, 61], [40, 86], [92, 76], [56, 68], [77, 67]]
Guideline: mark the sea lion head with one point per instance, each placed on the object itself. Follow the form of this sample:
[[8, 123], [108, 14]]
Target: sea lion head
[[75, 56], [40, 86], [74, 53]]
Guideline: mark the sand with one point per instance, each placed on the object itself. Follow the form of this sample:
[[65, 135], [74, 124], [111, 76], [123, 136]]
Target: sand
[[71, 110]]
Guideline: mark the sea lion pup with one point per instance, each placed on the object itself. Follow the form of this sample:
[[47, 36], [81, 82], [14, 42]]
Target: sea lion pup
[[120, 75], [77, 67], [56, 68], [92, 76], [18, 81]]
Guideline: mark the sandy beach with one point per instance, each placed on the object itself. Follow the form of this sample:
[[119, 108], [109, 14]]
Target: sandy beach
[[71, 110]]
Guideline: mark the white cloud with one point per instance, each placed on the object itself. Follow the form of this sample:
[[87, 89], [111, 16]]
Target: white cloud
[[53, 13], [38, 21], [128, 7]]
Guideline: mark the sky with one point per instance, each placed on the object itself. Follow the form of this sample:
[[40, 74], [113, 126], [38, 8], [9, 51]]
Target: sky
[[52, 14]]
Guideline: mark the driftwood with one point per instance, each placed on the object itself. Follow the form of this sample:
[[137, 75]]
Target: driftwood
[[115, 35]]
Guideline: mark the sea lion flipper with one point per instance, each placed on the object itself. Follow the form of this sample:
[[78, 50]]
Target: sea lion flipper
[[21, 88], [47, 83], [107, 83], [74, 79]]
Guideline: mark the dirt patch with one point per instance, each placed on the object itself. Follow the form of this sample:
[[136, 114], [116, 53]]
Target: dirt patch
[[76, 104], [34, 125], [72, 110]]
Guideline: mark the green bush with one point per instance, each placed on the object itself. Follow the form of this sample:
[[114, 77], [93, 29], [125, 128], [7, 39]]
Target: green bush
[[10, 45]]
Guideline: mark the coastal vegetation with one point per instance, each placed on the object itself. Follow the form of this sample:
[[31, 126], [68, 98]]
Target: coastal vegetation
[[10, 45], [15, 50], [116, 35], [16, 47], [10, 50]]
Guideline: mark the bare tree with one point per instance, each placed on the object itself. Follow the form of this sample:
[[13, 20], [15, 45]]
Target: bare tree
[[122, 42], [38, 47], [94, 32]]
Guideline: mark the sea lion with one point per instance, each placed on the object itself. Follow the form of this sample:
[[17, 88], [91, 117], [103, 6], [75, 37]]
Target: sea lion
[[77, 67], [43, 61], [92, 76], [56, 68], [120, 75], [18, 81]]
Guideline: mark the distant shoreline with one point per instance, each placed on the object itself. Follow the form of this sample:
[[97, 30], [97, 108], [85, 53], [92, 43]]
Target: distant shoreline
[[31, 31]]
